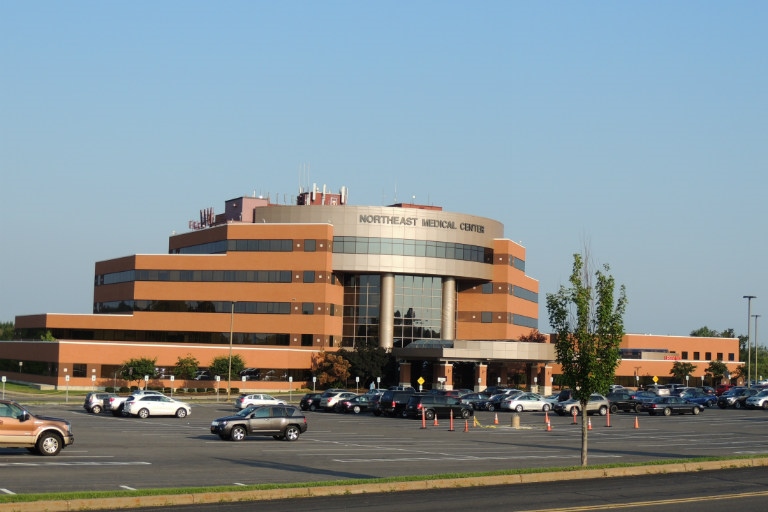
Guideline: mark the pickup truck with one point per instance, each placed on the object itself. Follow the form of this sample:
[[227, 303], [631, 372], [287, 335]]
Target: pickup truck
[[115, 404], [42, 435]]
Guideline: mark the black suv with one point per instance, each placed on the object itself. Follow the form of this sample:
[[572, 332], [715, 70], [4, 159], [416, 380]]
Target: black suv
[[431, 406], [623, 401], [310, 401], [392, 403]]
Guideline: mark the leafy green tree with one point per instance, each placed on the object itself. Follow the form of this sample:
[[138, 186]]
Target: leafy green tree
[[680, 370], [705, 332], [220, 366], [186, 367], [7, 331], [588, 325], [716, 371], [137, 368], [48, 336], [367, 361]]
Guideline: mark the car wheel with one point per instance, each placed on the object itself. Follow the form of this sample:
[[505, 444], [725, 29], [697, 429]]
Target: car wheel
[[738, 405], [695, 411], [96, 409], [429, 414], [765, 404], [491, 407], [603, 410], [313, 407], [238, 433], [49, 444], [638, 408], [465, 413], [292, 433], [614, 409], [356, 409], [403, 413], [667, 411], [545, 408], [143, 413], [181, 413], [519, 408]]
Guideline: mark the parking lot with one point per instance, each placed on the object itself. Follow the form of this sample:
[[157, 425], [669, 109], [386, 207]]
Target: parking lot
[[112, 453]]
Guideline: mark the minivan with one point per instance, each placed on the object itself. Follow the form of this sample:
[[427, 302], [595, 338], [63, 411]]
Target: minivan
[[392, 403], [429, 406]]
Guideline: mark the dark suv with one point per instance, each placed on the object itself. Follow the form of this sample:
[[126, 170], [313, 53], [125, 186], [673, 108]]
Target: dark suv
[[279, 421], [623, 401], [392, 403], [431, 406]]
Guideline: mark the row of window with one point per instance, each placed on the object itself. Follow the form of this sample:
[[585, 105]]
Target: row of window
[[486, 317], [405, 247], [199, 276], [707, 356], [514, 290]]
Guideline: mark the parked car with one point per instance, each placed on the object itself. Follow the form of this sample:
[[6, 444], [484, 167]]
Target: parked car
[[310, 402], [722, 388], [279, 421], [622, 400], [156, 405], [356, 404], [115, 404], [431, 406], [471, 398], [42, 435], [247, 400], [596, 404], [642, 396], [393, 402], [735, 397], [494, 402], [699, 397], [94, 402], [328, 401], [668, 405], [658, 390], [526, 402], [758, 401]]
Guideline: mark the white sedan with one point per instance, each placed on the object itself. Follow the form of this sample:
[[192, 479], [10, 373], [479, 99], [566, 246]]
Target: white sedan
[[244, 401], [156, 405], [526, 402]]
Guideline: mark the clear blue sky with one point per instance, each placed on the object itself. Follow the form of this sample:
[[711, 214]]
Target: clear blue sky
[[635, 130]]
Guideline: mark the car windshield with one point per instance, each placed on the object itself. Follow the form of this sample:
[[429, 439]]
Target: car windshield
[[245, 412]]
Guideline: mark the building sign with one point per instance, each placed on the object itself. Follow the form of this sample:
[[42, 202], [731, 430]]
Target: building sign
[[672, 358], [395, 220]]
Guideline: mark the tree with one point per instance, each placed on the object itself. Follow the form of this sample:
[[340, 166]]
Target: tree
[[716, 370], [186, 367], [588, 325], [367, 361], [680, 370], [136, 369], [533, 337], [330, 369], [220, 366], [705, 332], [7, 331], [48, 336]]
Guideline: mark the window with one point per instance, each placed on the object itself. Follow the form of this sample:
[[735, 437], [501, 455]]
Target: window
[[487, 288], [307, 308], [306, 340], [708, 356], [309, 276], [719, 356], [79, 370], [310, 245], [696, 356], [486, 317], [731, 357], [685, 354]]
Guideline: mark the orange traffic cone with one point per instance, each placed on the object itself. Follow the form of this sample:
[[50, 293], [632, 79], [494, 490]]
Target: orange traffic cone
[[450, 423], [423, 420], [549, 426], [589, 423], [546, 416], [436, 424], [574, 416], [637, 425], [608, 419], [496, 419], [466, 425]]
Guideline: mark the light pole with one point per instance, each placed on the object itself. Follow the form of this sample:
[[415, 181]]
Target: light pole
[[66, 379], [749, 335], [229, 368], [756, 372]]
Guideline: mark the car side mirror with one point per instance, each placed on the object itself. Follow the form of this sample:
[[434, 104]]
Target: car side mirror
[[24, 416]]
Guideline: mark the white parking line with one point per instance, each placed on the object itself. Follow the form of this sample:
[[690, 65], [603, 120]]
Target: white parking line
[[6, 491], [127, 488]]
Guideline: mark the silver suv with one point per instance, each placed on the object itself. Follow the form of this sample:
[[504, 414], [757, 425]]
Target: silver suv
[[19, 428]]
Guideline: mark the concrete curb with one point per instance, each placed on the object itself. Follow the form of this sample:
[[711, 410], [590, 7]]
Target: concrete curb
[[336, 490]]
